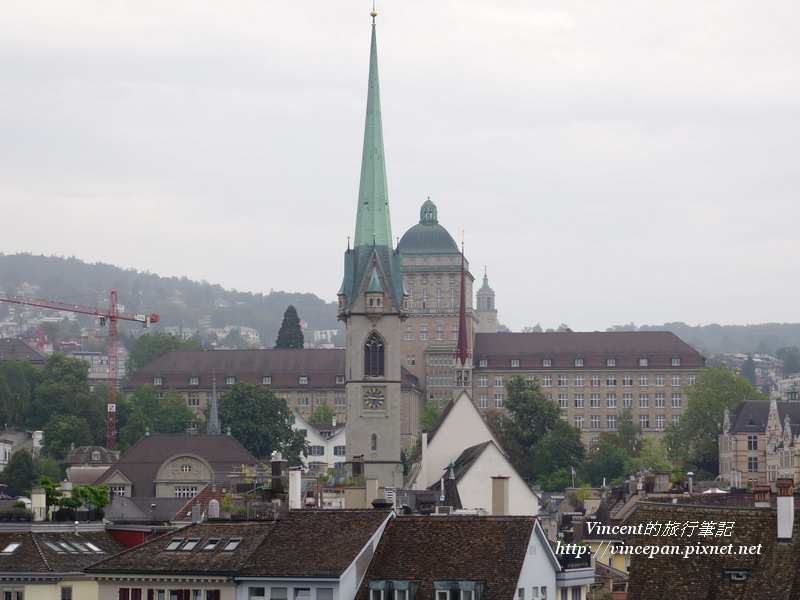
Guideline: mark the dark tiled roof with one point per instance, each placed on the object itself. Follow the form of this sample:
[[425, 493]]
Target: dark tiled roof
[[772, 573], [14, 349], [463, 548], [315, 543], [142, 461], [83, 456], [752, 415], [34, 555], [466, 460], [153, 558], [627, 347], [249, 366]]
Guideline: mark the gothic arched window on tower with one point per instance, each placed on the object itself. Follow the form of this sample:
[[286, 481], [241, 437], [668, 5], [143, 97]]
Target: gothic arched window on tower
[[373, 442], [374, 356]]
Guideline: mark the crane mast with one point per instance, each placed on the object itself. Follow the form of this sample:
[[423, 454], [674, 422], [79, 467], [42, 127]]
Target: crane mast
[[110, 315]]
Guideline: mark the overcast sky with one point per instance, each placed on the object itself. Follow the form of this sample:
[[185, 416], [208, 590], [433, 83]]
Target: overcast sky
[[608, 162]]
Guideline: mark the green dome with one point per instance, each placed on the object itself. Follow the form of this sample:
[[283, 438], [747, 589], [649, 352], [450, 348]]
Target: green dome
[[427, 237]]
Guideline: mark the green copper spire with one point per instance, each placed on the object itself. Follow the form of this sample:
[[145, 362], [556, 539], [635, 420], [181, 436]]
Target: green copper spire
[[372, 223], [372, 263]]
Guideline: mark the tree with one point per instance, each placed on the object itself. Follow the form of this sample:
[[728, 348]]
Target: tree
[[134, 429], [151, 346], [749, 370], [608, 459], [790, 355], [290, 335], [430, 416], [560, 447], [165, 414], [20, 474], [259, 420], [64, 432], [322, 414], [694, 439]]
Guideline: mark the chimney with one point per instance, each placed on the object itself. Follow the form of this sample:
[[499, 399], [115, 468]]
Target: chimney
[[295, 499], [785, 508], [500, 496], [762, 496]]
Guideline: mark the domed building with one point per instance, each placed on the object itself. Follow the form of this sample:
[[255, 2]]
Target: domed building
[[432, 279]]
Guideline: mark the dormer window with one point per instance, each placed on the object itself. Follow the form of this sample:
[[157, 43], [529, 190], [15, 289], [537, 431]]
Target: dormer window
[[514, 362], [484, 362], [643, 362], [230, 380], [676, 362], [194, 380], [611, 362], [158, 380], [266, 379], [578, 362], [95, 456], [547, 362], [303, 380]]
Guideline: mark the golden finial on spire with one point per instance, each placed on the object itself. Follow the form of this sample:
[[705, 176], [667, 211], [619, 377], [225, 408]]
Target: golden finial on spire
[[373, 13]]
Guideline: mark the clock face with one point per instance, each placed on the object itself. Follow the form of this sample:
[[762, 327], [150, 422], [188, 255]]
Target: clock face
[[373, 398]]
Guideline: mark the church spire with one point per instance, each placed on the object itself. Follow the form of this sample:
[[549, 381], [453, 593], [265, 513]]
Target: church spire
[[372, 222], [213, 416]]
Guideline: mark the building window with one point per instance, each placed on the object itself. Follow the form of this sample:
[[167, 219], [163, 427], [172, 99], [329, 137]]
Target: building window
[[676, 419], [627, 400], [660, 401], [185, 491], [752, 443], [95, 456], [643, 362], [454, 333], [578, 362], [547, 362], [676, 362], [320, 398], [339, 400], [230, 380], [562, 380], [303, 380], [594, 421], [267, 379], [676, 379], [514, 362], [483, 400], [642, 380], [644, 401], [579, 421], [339, 450], [186, 468], [595, 381], [676, 400], [439, 332], [611, 421], [578, 400], [498, 382], [66, 592], [158, 380], [278, 593], [211, 544], [594, 400], [373, 442], [409, 332], [661, 421], [547, 381], [374, 356], [644, 421], [316, 450], [484, 362], [578, 380], [498, 400], [193, 399], [563, 401], [611, 362], [232, 545], [627, 380], [611, 401], [660, 379], [194, 380], [411, 360], [752, 464], [117, 490], [303, 401], [611, 379], [423, 332], [691, 378], [483, 381]]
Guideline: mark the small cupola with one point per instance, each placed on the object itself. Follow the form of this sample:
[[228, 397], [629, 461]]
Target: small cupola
[[374, 295]]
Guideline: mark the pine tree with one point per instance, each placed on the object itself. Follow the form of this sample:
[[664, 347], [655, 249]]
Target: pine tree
[[290, 335]]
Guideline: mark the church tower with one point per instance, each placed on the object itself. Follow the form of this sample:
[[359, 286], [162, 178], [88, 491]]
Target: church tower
[[373, 306], [487, 313]]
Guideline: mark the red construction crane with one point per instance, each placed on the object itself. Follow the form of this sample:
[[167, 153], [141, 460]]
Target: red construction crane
[[111, 315]]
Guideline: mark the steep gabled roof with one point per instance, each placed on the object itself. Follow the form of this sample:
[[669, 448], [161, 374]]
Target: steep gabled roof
[[752, 415], [14, 349], [140, 464], [154, 557], [315, 543], [42, 552], [463, 548]]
